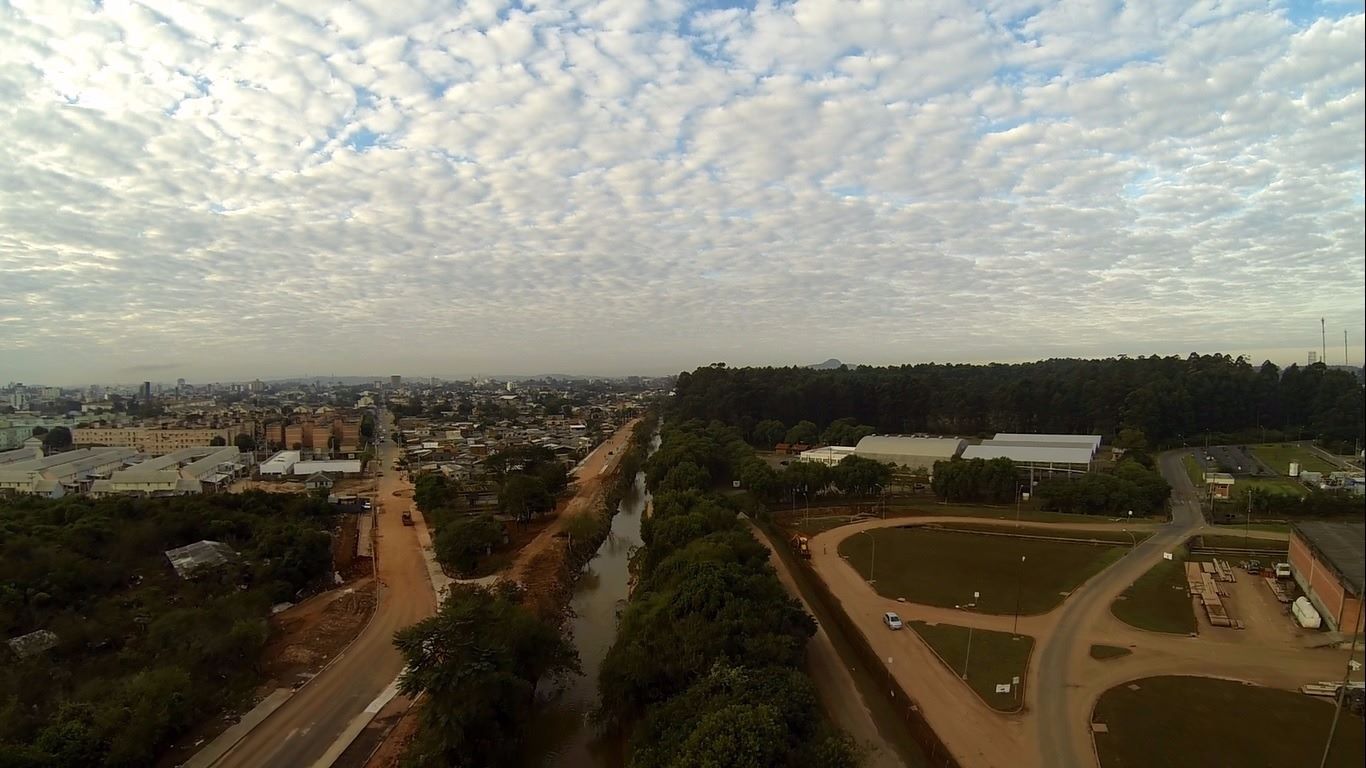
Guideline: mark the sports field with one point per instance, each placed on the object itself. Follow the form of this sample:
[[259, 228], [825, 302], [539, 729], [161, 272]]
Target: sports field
[[945, 568]]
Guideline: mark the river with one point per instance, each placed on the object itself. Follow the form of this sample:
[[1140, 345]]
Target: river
[[560, 734]]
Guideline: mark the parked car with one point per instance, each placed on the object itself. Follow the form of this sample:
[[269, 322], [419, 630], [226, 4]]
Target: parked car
[[892, 620]]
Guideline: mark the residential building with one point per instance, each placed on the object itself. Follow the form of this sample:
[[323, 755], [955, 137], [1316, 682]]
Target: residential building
[[61, 473], [155, 440], [188, 470]]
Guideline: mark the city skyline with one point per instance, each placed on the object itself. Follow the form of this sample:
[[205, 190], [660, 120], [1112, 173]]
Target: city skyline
[[642, 188]]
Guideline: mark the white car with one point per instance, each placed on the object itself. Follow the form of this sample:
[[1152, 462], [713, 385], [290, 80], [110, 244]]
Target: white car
[[892, 620]]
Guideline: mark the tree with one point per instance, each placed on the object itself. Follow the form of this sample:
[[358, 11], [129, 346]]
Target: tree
[[39, 431], [860, 474], [846, 431], [367, 426], [245, 443], [57, 439], [803, 432], [218, 440], [768, 433], [460, 544], [524, 496], [478, 661]]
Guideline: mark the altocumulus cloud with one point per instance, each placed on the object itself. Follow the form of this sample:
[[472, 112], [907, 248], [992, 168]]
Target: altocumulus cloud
[[637, 185]]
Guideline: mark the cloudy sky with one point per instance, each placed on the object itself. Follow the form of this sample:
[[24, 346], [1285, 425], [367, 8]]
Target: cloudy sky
[[234, 189]]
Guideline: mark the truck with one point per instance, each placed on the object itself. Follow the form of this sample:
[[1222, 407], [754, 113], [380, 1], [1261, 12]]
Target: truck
[[1282, 570], [802, 546], [407, 517]]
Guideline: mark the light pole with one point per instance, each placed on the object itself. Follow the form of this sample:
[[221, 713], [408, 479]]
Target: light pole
[[968, 656], [1133, 541], [1019, 576], [872, 559]]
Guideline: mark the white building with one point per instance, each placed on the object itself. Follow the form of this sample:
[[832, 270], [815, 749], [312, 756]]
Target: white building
[[61, 473], [188, 470], [332, 467], [829, 455], [917, 454], [1040, 454], [280, 464]]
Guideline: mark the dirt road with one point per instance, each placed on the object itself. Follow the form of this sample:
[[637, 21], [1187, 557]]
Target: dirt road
[[838, 692], [300, 732], [1063, 682], [589, 478]]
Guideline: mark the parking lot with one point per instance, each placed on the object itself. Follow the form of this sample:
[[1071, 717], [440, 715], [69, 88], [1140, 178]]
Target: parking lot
[[1233, 459]]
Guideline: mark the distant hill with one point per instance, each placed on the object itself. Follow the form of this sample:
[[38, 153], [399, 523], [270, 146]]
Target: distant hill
[[828, 365]]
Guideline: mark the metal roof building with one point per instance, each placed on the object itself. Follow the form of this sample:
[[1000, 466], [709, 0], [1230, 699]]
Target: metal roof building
[[55, 475], [1018, 438], [1328, 561], [192, 559], [915, 453], [182, 471]]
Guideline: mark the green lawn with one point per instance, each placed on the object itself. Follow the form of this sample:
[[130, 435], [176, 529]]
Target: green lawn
[[944, 568], [1158, 601], [1234, 541], [1279, 455], [1194, 471], [996, 658], [1116, 536], [1196, 721], [926, 508], [1278, 485], [1104, 652]]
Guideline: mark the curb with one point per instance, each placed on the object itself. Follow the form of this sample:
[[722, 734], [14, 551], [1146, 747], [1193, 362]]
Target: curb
[[374, 571]]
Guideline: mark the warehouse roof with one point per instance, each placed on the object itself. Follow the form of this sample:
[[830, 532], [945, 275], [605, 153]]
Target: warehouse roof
[[1025, 437], [1030, 454], [934, 447], [1342, 546]]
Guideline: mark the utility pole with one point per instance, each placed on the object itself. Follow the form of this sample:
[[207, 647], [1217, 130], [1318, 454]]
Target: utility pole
[[1323, 332], [1342, 692]]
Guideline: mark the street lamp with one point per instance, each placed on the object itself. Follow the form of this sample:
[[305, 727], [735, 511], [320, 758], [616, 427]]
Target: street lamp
[[1133, 542], [1019, 576], [872, 560]]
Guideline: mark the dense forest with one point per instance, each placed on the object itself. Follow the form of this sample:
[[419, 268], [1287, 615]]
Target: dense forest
[[141, 655], [1163, 399], [706, 666]]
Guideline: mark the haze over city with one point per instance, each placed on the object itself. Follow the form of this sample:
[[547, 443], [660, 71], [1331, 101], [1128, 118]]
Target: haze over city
[[265, 189]]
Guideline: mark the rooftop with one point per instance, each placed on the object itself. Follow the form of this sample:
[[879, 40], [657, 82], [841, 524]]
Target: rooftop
[[1033, 454], [1342, 546], [190, 559]]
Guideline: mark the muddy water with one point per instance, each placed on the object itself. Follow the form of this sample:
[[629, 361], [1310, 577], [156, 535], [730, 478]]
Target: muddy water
[[560, 735]]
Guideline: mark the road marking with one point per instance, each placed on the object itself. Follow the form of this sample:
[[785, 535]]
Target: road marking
[[357, 724]]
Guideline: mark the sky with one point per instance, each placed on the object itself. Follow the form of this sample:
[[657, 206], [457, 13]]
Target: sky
[[225, 190]]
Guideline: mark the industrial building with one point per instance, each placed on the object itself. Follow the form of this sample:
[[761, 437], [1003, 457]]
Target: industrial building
[[829, 455], [917, 454], [1041, 455], [27, 471], [188, 470], [287, 463], [1328, 562]]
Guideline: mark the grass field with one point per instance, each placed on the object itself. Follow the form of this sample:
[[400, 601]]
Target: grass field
[[944, 568], [1279, 455], [996, 658], [1234, 541], [1158, 600], [921, 508], [1104, 652], [1112, 537], [1196, 721], [1280, 485], [1194, 471]]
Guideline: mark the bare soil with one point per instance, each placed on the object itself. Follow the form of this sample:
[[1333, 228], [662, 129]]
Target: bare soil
[[308, 635]]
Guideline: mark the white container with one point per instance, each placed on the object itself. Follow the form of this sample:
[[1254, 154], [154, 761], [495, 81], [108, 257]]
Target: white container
[[1305, 614], [1294, 469]]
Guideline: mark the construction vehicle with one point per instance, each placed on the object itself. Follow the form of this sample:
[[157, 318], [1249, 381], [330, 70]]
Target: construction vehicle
[[407, 517], [802, 546]]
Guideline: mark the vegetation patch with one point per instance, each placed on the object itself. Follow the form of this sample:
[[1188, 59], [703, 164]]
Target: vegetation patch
[[1167, 721], [705, 668], [1116, 536], [1278, 456], [944, 568], [1106, 652], [141, 654], [1159, 601], [985, 659], [1234, 541]]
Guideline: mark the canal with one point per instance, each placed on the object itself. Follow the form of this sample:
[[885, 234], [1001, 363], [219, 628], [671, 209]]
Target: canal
[[561, 735]]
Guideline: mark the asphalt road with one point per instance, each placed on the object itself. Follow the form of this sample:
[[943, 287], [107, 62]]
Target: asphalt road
[[300, 732], [1063, 732]]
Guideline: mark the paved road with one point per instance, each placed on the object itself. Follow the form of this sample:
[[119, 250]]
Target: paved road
[[298, 733], [1063, 737]]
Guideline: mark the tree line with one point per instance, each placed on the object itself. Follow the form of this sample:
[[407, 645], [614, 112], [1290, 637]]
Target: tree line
[[1162, 400], [141, 655], [706, 665]]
